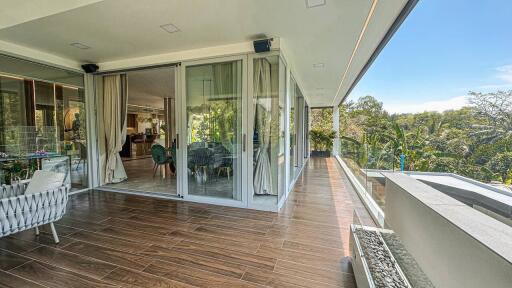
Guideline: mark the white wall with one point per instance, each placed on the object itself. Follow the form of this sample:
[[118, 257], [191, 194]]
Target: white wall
[[455, 245]]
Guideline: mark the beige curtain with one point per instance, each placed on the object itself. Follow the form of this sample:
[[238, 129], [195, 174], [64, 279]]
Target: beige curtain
[[115, 105], [262, 120]]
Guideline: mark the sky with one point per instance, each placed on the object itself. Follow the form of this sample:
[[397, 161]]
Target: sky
[[443, 50]]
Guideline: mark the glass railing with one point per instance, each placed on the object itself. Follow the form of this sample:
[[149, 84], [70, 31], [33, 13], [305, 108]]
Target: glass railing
[[25, 149], [369, 166]]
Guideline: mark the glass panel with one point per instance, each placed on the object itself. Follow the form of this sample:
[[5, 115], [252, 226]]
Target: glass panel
[[71, 131], [306, 131], [12, 112], [293, 128], [214, 126], [282, 115], [266, 130], [28, 132], [299, 120], [45, 116]]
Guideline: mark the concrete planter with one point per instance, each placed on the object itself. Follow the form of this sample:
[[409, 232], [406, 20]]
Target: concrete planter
[[315, 153], [373, 263]]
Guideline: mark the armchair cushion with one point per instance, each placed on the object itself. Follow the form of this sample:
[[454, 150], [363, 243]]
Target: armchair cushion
[[44, 181]]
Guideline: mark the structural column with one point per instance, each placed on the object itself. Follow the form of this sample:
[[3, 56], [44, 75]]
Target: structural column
[[336, 127], [170, 121]]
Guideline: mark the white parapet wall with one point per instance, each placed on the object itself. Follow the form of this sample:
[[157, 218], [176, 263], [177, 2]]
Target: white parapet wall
[[454, 244]]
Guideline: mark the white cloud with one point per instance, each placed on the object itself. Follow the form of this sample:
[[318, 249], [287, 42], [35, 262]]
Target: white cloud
[[437, 106], [505, 73]]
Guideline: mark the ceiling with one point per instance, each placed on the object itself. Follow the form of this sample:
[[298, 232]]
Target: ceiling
[[342, 34], [149, 87]]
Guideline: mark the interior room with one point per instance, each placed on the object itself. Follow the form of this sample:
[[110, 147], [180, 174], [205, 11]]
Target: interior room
[[149, 150]]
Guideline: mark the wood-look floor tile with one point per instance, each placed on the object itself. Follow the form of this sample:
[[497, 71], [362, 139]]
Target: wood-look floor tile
[[130, 278], [80, 224], [42, 239], [9, 260], [256, 226], [55, 277], [137, 226], [229, 234], [239, 221], [8, 280], [136, 241], [278, 280], [109, 241], [62, 231], [195, 261], [71, 261], [134, 235], [317, 274], [16, 245], [194, 276], [247, 259], [334, 263], [109, 255], [244, 246], [313, 249]]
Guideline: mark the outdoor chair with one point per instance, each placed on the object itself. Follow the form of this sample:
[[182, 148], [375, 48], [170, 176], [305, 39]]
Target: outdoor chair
[[202, 160], [160, 158], [23, 207]]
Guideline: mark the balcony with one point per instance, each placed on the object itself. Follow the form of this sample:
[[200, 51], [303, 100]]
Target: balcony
[[120, 240]]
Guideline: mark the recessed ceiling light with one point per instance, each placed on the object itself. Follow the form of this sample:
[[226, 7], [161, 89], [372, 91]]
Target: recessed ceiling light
[[80, 46], [319, 65], [170, 28], [315, 3]]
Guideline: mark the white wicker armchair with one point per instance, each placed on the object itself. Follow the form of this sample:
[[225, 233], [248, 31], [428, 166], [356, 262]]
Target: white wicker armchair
[[19, 212]]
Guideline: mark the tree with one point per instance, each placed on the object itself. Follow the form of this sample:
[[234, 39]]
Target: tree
[[496, 109], [501, 164], [473, 141]]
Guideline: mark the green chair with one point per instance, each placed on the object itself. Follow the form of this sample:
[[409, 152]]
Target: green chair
[[159, 155], [173, 160]]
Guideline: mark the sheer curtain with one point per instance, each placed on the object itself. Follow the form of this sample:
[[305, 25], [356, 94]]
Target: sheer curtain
[[115, 105], [262, 125]]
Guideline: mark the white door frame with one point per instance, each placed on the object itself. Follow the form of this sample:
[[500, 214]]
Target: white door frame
[[182, 131], [250, 130]]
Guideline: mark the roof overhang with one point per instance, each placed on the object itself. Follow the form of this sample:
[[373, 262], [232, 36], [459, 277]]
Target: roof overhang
[[328, 47]]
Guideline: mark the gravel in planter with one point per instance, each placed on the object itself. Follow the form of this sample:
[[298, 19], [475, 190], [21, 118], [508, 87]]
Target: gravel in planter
[[411, 269], [380, 263]]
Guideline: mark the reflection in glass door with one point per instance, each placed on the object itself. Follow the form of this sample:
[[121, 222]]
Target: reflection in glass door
[[214, 129]]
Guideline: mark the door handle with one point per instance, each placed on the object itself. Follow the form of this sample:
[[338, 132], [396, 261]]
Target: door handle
[[177, 141], [244, 142]]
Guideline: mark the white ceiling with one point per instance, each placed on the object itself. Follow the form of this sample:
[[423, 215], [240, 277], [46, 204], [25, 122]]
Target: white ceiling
[[117, 30], [15, 11], [149, 87]]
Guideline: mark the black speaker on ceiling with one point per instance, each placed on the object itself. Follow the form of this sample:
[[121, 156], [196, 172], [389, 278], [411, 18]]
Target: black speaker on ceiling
[[90, 68], [263, 45]]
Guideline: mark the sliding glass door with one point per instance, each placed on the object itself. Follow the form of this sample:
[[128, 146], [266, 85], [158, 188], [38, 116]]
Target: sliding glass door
[[214, 140]]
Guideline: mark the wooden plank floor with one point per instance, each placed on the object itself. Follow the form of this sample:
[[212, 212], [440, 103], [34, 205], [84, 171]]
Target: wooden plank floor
[[118, 240]]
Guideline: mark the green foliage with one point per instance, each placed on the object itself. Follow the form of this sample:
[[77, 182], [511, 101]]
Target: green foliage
[[501, 164], [321, 119], [322, 140], [474, 141]]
